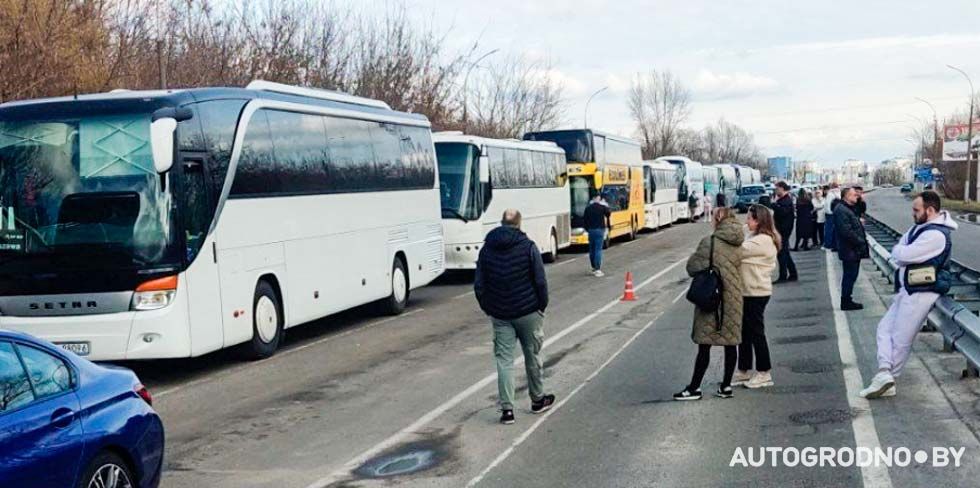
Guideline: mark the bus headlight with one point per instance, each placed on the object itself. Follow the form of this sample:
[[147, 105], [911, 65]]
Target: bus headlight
[[155, 294], [578, 232]]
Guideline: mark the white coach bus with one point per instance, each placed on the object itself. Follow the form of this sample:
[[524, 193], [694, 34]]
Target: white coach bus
[[479, 178], [174, 223], [690, 177], [659, 194]]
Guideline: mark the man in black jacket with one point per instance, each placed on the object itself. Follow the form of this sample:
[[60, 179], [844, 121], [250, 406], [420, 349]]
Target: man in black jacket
[[784, 212], [852, 245], [512, 289]]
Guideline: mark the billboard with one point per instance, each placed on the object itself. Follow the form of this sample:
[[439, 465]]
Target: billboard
[[954, 140]]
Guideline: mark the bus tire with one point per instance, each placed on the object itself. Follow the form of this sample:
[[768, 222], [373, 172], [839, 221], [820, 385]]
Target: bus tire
[[632, 234], [396, 302], [607, 241], [267, 322], [552, 256]]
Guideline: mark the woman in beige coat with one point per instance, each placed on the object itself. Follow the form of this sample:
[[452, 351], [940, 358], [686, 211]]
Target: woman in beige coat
[[758, 261], [707, 330]]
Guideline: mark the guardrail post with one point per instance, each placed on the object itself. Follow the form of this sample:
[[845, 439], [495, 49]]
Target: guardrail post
[[970, 371]]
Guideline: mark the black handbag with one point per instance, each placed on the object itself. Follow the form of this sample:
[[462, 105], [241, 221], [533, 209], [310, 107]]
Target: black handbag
[[706, 286]]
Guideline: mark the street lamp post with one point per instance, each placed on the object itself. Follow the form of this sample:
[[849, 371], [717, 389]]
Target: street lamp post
[[935, 128], [590, 101], [466, 78], [971, 169]]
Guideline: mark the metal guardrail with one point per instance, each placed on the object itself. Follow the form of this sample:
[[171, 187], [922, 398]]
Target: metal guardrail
[[954, 315]]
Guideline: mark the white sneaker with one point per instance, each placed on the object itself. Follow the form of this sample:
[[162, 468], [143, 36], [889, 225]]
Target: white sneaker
[[890, 392], [760, 380], [880, 384], [598, 273], [741, 377]]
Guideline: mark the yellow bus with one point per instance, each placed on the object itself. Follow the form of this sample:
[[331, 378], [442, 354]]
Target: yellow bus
[[605, 164]]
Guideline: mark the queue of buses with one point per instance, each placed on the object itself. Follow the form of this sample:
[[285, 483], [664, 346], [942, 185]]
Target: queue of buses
[[160, 224]]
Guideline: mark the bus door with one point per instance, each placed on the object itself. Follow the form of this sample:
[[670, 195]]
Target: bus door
[[200, 280]]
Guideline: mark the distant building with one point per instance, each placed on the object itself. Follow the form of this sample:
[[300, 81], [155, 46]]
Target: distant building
[[854, 172], [781, 167]]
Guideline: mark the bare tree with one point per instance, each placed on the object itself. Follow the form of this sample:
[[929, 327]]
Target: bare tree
[[513, 97], [659, 104], [725, 142]]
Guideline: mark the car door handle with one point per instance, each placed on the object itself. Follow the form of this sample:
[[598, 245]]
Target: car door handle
[[62, 418]]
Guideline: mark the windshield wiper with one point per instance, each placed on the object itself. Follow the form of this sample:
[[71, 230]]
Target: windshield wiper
[[455, 214]]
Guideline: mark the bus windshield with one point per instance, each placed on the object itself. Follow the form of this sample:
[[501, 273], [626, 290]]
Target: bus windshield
[[82, 186], [576, 143], [459, 180], [581, 192]]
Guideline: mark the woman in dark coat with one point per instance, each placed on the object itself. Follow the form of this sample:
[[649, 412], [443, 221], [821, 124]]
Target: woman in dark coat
[[805, 221]]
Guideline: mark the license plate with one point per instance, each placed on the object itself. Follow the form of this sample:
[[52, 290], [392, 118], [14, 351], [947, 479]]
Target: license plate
[[80, 348]]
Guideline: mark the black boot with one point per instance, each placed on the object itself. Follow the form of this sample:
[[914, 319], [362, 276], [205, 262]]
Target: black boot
[[847, 305]]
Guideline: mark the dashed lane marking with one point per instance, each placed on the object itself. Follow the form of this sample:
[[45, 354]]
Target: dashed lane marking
[[401, 435]]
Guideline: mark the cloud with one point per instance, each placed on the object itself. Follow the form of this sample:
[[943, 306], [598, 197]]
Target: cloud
[[717, 86], [572, 86], [929, 41]]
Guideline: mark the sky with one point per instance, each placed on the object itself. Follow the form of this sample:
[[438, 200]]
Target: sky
[[823, 80]]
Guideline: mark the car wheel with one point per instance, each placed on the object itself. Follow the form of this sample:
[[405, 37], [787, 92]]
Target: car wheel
[[396, 302], [552, 256], [267, 322], [107, 470]]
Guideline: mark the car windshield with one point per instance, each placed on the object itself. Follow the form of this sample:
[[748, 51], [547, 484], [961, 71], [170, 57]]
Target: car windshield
[[459, 180], [82, 186], [753, 190]]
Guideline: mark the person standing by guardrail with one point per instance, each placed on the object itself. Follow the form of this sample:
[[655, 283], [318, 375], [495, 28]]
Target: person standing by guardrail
[[820, 217], [852, 246], [784, 212], [832, 200], [721, 251], [511, 287], [920, 279], [758, 260]]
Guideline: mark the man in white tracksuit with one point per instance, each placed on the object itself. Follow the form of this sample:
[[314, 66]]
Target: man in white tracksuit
[[927, 243]]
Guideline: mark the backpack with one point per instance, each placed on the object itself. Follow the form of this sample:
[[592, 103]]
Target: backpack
[[706, 287]]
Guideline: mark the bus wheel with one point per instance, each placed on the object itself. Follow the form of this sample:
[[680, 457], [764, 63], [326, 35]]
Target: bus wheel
[[396, 302], [607, 241], [552, 256], [632, 234], [267, 322]]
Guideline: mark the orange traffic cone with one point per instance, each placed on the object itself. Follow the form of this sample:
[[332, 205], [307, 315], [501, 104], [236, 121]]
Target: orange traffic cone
[[628, 294]]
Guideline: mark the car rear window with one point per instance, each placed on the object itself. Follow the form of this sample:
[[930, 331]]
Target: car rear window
[[15, 389]]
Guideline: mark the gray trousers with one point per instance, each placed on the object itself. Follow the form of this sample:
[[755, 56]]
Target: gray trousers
[[506, 334]]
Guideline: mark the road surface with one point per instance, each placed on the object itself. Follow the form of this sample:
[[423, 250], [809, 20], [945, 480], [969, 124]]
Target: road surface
[[364, 400]]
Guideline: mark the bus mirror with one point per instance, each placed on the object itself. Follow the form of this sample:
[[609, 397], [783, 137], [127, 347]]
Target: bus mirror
[[484, 163], [162, 143]]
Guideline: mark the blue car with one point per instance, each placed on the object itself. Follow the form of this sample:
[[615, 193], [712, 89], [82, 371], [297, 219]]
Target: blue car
[[67, 422], [748, 195]]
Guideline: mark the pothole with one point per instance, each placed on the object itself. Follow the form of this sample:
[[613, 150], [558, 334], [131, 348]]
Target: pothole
[[821, 416], [800, 339], [791, 389], [794, 324], [399, 464], [809, 366]]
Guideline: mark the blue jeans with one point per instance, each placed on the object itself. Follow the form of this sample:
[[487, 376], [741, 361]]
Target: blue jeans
[[829, 238], [850, 275], [596, 238]]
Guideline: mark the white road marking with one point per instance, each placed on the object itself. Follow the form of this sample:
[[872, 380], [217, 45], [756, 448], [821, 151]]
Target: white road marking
[[284, 353], [564, 262], [464, 295], [523, 437], [863, 424], [439, 410], [680, 295]]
